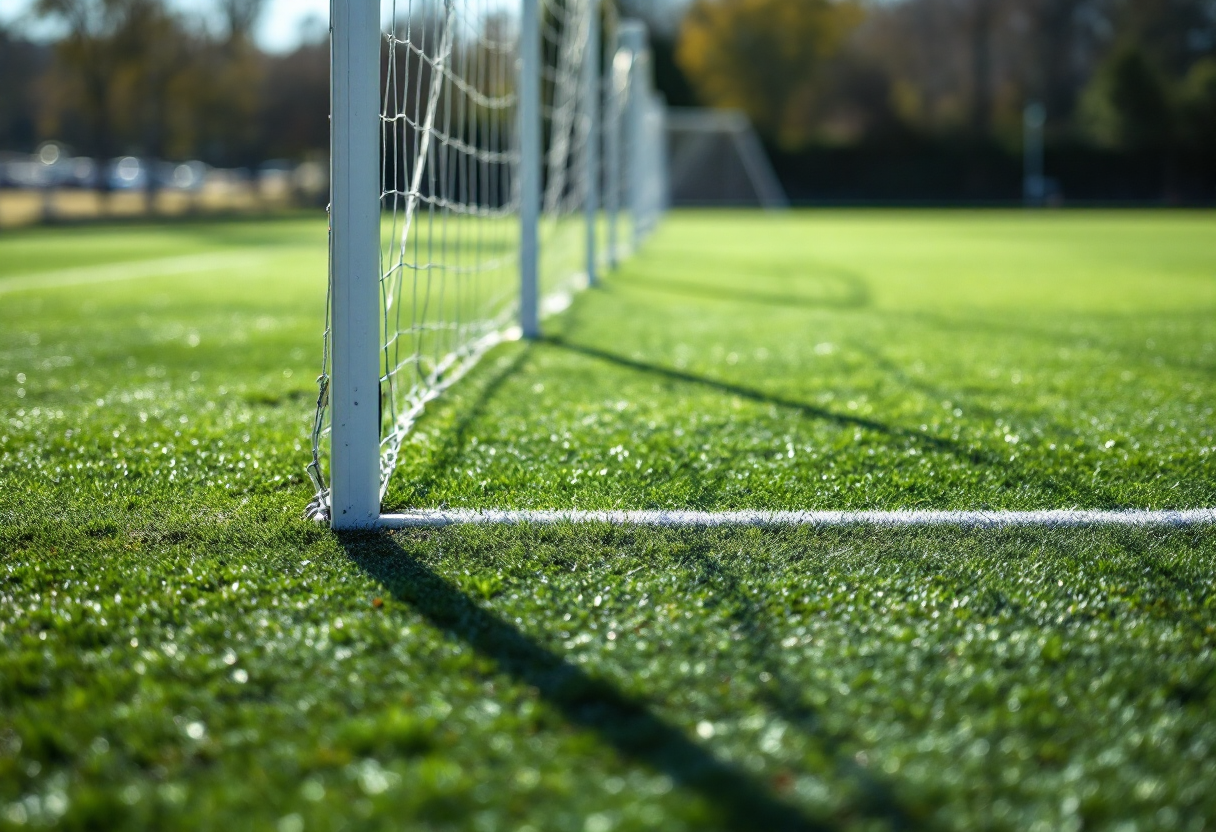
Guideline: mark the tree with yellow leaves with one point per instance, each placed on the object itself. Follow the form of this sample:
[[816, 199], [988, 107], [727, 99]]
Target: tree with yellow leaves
[[764, 57]]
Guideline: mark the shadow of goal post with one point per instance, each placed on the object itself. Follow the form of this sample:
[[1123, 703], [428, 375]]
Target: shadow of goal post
[[633, 123]]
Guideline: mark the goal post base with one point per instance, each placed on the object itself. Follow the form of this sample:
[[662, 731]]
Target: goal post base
[[1055, 518]]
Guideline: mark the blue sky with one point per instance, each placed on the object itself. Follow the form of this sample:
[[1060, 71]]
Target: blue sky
[[279, 30], [281, 26]]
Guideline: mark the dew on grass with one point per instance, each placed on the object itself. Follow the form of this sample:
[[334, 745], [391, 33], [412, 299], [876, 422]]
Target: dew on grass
[[374, 779], [597, 823]]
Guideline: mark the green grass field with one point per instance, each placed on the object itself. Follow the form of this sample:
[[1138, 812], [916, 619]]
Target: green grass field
[[178, 649]]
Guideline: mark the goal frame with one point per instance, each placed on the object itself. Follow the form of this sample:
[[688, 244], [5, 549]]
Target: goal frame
[[352, 391], [632, 137]]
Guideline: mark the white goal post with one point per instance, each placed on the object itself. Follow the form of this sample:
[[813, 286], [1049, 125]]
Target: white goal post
[[473, 145]]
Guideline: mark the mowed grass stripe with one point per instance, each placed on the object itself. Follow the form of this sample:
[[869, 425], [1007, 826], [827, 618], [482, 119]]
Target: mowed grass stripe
[[112, 272]]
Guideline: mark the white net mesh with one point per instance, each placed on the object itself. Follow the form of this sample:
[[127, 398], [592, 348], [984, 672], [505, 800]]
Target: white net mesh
[[450, 226], [450, 204], [565, 31]]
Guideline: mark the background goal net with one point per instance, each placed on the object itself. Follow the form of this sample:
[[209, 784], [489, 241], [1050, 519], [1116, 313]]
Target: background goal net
[[487, 157], [725, 142]]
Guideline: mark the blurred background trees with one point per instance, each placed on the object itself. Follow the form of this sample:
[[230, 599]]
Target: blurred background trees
[[22, 65], [923, 99], [891, 100], [768, 58], [948, 67], [145, 78]]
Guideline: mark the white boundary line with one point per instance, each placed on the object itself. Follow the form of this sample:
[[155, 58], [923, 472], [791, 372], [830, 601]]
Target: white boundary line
[[1060, 518]]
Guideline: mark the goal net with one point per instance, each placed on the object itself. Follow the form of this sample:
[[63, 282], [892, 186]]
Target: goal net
[[474, 145], [717, 160]]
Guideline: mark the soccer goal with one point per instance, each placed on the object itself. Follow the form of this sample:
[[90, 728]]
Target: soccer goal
[[488, 158], [717, 161]]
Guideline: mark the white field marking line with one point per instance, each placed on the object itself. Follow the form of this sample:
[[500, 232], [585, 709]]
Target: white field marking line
[[1058, 518], [131, 270]]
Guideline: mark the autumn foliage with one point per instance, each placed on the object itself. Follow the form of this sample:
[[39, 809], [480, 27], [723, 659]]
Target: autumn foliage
[[765, 57]]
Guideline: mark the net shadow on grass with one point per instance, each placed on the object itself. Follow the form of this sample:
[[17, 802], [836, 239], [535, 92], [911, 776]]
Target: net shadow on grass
[[1125, 349], [1074, 488], [856, 294], [425, 481], [590, 703], [785, 699], [935, 443]]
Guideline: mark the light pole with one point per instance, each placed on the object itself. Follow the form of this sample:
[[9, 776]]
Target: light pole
[[1034, 185]]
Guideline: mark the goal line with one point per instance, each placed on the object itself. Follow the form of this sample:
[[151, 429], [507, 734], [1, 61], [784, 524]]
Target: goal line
[[1053, 518]]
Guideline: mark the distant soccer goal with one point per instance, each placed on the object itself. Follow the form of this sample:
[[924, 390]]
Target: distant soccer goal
[[716, 160], [487, 157]]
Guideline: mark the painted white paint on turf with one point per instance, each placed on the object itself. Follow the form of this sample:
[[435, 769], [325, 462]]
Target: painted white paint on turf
[[1055, 518]]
